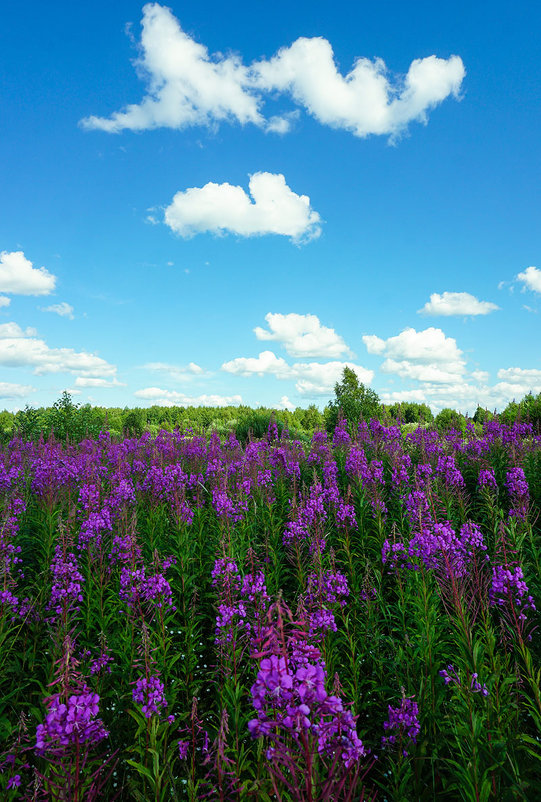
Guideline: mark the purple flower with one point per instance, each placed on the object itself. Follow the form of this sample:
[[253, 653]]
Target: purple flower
[[70, 722], [149, 693], [403, 720], [487, 479], [508, 586], [183, 748]]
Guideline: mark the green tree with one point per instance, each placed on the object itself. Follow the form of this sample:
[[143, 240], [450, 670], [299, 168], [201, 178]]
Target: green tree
[[482, 415], [352, 401], [449, 419]]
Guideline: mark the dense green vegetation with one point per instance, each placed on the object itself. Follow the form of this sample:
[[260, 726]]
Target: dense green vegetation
[[352, 401]]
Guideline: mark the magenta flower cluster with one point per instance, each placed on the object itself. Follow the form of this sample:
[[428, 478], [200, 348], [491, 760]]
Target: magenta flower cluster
[[149, 692], [291, 701], [70, 720], [66, 591], [402, 723]]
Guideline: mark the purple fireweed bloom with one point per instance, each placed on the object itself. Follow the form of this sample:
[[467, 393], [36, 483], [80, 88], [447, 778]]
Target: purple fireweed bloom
[[356, 463], [149, 591], [447, 469], [226, 576], [487, 479], [149, 693], [100, 663], [183, 748], [449, 676], [341, 435], [66, 591], [508, 586], [254, 587], [476, 686], [290, 700], [68, 722], [403, 720], [518, 490]]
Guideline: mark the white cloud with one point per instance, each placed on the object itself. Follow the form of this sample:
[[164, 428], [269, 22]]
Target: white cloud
[[176, 372], [312, 378], [462, 395], [480, 376], [169, 398], [397, 396], [424, 373], [275, 209], [426, 356], [20, 348], [456, 303], [285, 403], [9, 390], [302, 335], [188, 86], [374, 344], [531, 278], [63, 309], [427, 346], [315, 379], [364, 101], [87, 381], [12, 330], [18, 276], [266, 363], [4, 300], [526, 377]]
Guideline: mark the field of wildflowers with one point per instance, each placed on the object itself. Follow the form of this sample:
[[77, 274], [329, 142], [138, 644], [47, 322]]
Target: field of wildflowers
[[184, 618]]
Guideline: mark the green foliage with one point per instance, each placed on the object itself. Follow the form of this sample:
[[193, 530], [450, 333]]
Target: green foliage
[[483, 415], [410, 412], [134, 422], [353, 401], [527, 411], [449, 419]]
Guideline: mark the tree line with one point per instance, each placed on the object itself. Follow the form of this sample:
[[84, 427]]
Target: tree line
[[352, 401]]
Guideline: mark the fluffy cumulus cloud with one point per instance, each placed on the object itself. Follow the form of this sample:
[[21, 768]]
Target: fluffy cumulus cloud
[[62, 309], [188, 86], [271, 207], [318, 379], [456, 303], [468, 392], [4, 300], [364, 101], [22, 348], [10, 390], [531, 279], [19, 277], [285, 403], [170, 398], [311, 378], [266, 363], [529, 378], [426, 356], [430, 347], [302, 335]]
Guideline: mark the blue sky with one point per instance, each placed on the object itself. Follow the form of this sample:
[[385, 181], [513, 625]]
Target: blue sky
[[209, 204]]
